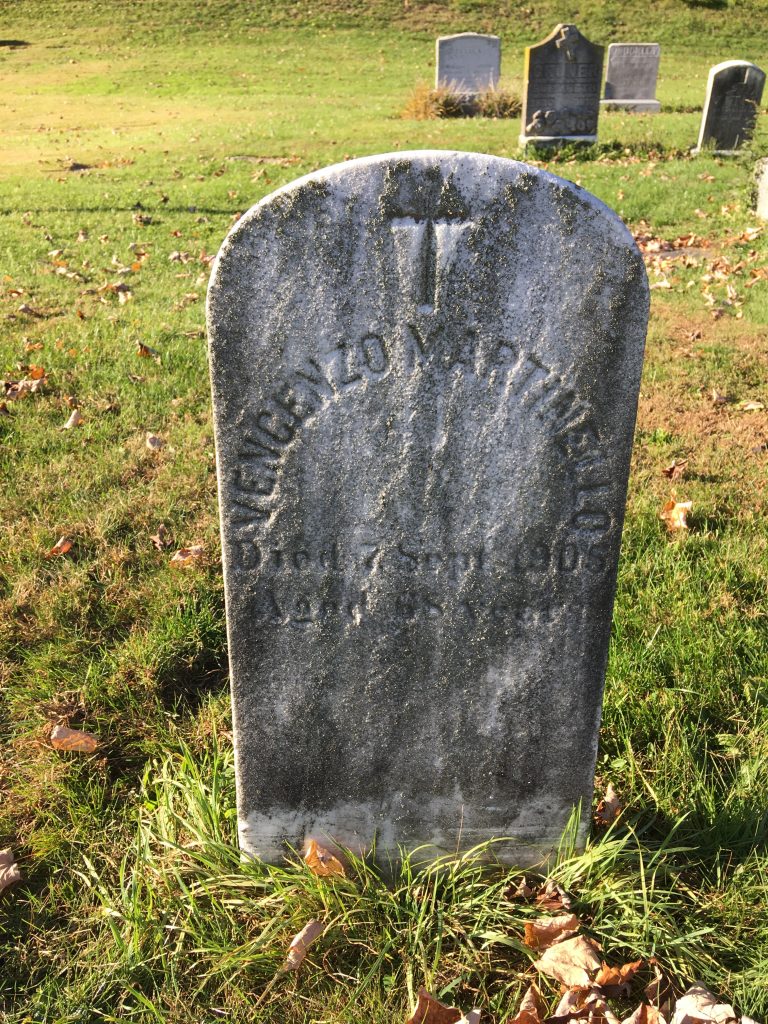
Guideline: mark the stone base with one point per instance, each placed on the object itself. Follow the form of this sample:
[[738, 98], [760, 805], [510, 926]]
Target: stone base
[[556, 140], [632, 106]]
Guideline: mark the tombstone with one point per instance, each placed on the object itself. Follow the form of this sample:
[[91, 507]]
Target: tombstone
[[468, 62], [425, 368], [761, 188], [561, 91], [734, 91], [630, 81]]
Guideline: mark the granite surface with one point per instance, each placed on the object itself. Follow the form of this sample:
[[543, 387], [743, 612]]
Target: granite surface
[[630, 81], [469, 62], [561, 89], [425, 369], [734, 92]]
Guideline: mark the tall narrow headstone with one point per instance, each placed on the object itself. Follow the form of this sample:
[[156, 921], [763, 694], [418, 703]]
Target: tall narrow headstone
[[425, 370], [561, 91], [734, 91], [630, 81], [468, 62], [761, 188]]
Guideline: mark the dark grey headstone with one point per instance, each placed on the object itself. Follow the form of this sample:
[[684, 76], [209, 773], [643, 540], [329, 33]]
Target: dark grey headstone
[[630, 81], [561, 91], [468, 62], [734, 91], [425, 370]]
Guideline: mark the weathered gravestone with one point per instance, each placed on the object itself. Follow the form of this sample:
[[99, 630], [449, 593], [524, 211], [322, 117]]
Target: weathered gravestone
[[561, 91], [468, 62], [734, 91], [630, 81], [761, 188], [425, 369]]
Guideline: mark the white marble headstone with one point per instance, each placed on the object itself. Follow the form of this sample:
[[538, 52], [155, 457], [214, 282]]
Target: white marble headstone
[[468, 62], [425, 369]]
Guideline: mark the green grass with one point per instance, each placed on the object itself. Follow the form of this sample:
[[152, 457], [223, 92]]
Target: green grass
[[136, 906]]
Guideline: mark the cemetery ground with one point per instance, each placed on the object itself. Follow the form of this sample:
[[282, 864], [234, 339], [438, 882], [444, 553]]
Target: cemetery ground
[[133, 137]]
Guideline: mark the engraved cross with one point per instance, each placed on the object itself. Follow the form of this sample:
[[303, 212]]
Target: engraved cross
[[426, 238]]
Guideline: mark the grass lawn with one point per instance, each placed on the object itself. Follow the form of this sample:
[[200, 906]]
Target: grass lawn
[[132, 136]]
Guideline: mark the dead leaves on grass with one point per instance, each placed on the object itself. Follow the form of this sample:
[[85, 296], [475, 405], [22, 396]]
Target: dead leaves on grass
[[9, 870], [61, 547], [321, 861], [300, 944], [185, 557], [431, 1011], [572, 962], [675, 515], [74, 740], [545, 931]]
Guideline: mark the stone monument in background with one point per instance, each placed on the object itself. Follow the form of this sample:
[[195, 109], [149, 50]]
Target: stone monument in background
[[425, 369], [561, 89], [630, 81], [734, 92], [468, 62]]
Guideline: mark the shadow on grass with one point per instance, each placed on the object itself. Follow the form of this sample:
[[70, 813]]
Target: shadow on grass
[[13, 44], [184, 685]]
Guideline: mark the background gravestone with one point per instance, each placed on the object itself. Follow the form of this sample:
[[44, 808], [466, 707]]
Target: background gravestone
[[561, 89], [761, 188], [425, 370], [734, 91], [630, 81], [469, 62]]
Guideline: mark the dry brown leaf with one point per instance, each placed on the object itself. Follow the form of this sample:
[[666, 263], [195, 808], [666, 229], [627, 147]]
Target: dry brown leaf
[[553, 897], [571, 1004], [616, 981], [659, 992], [532, 1008], [546, 931], [9, 870], [609, 807], [751, 406], [718, 398], [598, 1011], [675, 469], [674, 514], [145, 352], [321, 861], [61, 547], [63, 738], [699, 1004], [4, 410], [473, 1017], [300, 944], [571, 962], [161, 540], [25, 308], [75, 420], [187, 556], [645, 1014], [154, 442], [431, 1011]]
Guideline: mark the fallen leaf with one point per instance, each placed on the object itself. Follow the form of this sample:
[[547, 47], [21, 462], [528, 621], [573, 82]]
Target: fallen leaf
[[431, 1011], [147, 353], [674, 514], [24, 308], [155, 443], [675, 469], [9, 870], [63, 738], [187, 556], [321, 861], [553, 897], [32, 346], [473, 1017], [751, 406], [532, 1008], [718, 398], [4, 410], [645, 1015], [61, 547], [571, 962], [659, 992], [161, 539], [699, 1004], [300, 944], [616, 981], [609, 807], [75, 420], [545, 931]]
